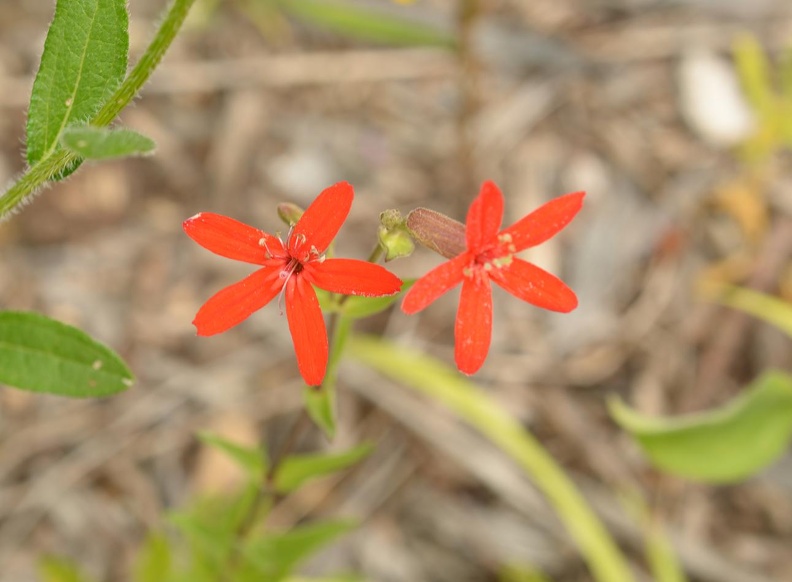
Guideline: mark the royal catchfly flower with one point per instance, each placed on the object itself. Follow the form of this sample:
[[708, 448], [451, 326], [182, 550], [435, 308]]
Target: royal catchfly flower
[[480, 252], [289, 269]]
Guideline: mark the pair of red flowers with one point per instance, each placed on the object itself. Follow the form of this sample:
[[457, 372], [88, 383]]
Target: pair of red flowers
[[291, 268]]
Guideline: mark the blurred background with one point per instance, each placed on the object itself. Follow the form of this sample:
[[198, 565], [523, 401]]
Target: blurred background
[[641, 103]]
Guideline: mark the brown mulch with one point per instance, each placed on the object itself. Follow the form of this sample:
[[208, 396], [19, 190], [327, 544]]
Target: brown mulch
[[547, 97]]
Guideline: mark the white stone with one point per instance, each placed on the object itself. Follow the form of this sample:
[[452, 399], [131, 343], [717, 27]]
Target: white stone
[[712, 101]]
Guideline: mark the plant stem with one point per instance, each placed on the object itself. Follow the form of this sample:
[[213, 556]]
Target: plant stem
[[469, 403], [264, 493], [148, 62], [376, 253], [339, 329], [45, 169], [33, 179]]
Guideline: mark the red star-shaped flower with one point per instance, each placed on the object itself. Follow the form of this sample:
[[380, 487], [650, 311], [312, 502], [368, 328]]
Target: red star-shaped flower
[[490, 257], [290, 268]]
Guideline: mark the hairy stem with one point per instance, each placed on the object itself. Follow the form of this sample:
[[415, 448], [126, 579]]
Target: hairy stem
[[52, 165]]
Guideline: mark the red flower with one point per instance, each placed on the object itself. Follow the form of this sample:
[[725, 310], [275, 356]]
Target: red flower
[[490, 257], [289, 269]]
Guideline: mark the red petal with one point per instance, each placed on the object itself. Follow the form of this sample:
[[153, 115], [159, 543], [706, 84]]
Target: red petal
[[536, 286], [352, 277], [323, 218], [307, 330], [545, 221], [484, 217], [236, 302], [435, 283], [230, 238], [473, 329]]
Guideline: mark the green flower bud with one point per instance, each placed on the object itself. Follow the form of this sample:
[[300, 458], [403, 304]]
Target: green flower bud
[[393, 237], [289, 213]]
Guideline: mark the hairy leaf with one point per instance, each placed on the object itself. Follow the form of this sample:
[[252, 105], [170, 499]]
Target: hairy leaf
[[84, 61], [98, 143]]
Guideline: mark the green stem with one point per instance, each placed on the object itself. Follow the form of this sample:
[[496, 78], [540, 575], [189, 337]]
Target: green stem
[[467, 401], [265, 496], [33, 179], [376, 253], [148, 62], [341, 327], [53, 164]]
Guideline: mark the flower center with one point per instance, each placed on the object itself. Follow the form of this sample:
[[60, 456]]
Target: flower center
[[296, 247], [497, 256]]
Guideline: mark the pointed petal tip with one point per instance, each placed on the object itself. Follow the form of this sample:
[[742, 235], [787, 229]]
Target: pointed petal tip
[[190, 220], [323, 218]]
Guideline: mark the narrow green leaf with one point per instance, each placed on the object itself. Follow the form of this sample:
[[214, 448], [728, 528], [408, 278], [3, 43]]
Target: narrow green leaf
[[767, 308], [153, 562], [211, 546], [365, 23], [99, 143], [84, 61], [297, 469], [469, 403], [53, 569], [44, 355], [722, 445], [754, 73], [785, 73], [252, 459], [275, 555], [211, 526], [320, 405], [663, 561], [357, 306]]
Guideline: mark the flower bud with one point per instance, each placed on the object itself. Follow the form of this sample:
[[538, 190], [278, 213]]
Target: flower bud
[[393, 237], [437, 232], [289, 213]]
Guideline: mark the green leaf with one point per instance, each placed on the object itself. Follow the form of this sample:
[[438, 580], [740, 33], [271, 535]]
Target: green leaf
[[474, 406], [44, 355], [722, 445], [663, 561], [767, 308], [252, 459], [211, 526], [275, 555], [785, 74], [754, 73], [365, 23], [297, 469], [336, 578], [99, 143], [53, 569], [320, 405], [357, 306], [153, 563], [84, 61]]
